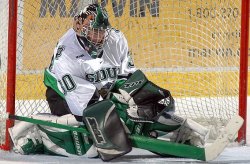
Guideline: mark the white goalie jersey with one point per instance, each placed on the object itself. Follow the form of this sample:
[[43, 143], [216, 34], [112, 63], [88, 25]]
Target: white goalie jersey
[[76, 76]]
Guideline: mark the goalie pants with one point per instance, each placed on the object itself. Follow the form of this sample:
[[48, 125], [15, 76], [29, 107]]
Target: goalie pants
[[58, 106]]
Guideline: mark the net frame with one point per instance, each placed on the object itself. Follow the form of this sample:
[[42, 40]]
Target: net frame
[[12, 53]]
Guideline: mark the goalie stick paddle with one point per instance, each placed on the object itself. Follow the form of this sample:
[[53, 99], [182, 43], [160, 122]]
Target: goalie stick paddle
[[161, 146], [227, 136]]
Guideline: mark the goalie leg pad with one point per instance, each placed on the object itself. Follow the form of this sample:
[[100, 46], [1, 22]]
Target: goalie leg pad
[[64, 142], [29, 138], [107, 130], [26, 138]]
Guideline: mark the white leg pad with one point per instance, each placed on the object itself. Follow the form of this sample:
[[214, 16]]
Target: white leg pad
[[21, 133]]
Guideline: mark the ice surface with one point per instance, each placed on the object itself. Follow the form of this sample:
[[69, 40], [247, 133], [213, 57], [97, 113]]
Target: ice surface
[[230, 155]]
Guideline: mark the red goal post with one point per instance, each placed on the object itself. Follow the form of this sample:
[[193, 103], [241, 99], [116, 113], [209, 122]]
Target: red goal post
[[244, 45], [169, 41]]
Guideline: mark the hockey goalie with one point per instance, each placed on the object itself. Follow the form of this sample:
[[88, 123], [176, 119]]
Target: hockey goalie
[[92, 83]]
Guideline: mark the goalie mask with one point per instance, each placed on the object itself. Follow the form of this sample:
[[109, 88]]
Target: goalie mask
[[92, 26]]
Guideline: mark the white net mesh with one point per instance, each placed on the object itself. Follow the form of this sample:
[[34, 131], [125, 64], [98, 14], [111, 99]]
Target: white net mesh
[[188, 47]]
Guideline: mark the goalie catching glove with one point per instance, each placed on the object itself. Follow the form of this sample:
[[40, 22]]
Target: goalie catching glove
[[151, 103], [146, 100]]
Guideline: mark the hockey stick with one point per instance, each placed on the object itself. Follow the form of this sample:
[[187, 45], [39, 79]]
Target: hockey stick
[[48, 123], [162, 146]]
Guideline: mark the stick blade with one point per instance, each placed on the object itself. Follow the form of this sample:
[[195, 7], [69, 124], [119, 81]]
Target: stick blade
[[231, 129]]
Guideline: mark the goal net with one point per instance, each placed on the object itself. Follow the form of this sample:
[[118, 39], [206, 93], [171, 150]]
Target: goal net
[[190, 47]]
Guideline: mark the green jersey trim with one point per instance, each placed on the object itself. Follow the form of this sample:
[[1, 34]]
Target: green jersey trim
[[51, 81]]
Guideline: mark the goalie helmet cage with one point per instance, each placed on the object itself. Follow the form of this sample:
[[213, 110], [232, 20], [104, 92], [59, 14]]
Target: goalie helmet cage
[[196, 49]]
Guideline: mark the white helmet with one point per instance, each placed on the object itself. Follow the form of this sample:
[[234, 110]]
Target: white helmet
[[92, 25]]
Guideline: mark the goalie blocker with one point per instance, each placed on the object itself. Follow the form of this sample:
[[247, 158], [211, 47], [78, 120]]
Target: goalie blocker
[[107, 130]]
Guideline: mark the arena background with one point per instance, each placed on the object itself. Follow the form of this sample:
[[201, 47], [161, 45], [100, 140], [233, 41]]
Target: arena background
[[144, 29]]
